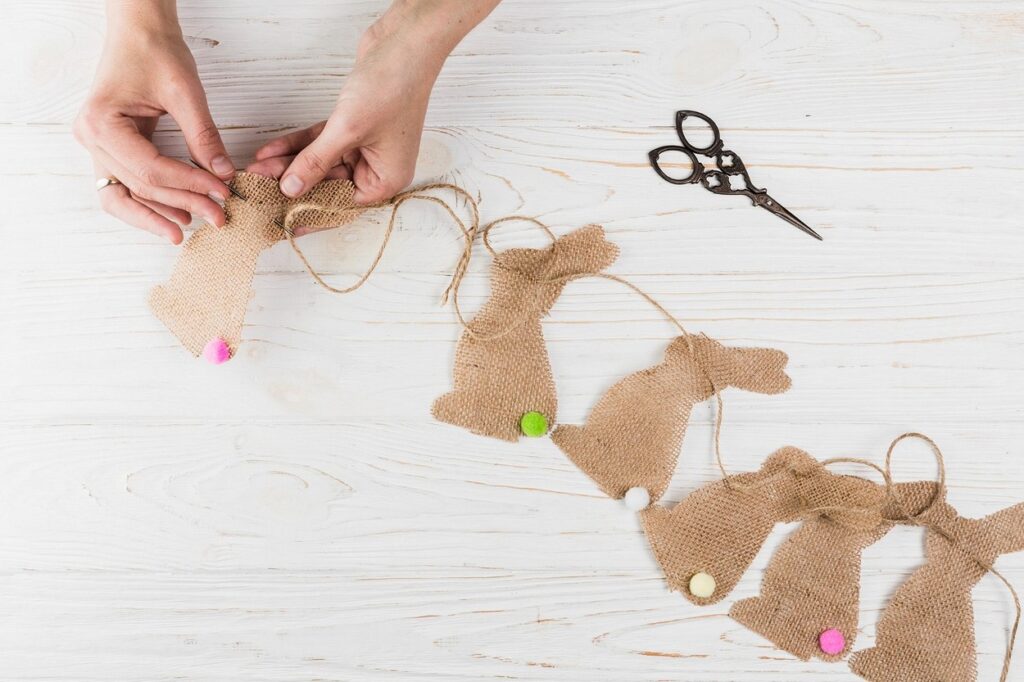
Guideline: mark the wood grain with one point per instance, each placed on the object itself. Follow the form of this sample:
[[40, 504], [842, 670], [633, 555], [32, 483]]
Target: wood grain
[[297, 515]]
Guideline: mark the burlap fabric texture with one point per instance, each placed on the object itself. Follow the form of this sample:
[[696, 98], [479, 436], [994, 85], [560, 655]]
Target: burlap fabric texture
[[209, 290], [633, 436], [502, 369]]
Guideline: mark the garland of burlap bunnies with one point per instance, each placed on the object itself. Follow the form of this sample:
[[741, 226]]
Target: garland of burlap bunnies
[[629, 445]]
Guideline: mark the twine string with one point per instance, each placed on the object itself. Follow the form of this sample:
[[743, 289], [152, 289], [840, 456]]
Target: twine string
[[462, 265], [417, 193]]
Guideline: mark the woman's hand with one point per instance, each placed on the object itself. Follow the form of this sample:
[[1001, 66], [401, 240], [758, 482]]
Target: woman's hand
[[147, 71], [373, 135]]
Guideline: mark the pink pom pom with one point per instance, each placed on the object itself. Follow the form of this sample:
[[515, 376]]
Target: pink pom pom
[[832, 642], [217, 351]]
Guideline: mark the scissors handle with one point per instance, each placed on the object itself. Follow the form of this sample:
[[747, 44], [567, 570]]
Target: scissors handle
[[697, 168], [716, 136], [729, 165], [688, 149]]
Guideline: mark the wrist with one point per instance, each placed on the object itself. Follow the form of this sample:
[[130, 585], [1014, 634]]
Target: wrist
[[150, 19], [433, 28]]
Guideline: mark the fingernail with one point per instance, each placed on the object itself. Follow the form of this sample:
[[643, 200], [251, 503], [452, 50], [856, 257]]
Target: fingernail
[[291, 185], [218, 196], [222, 165], [210, 220]]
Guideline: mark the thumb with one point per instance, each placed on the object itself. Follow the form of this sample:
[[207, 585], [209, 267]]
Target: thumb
[[201, 134], [318, 158]]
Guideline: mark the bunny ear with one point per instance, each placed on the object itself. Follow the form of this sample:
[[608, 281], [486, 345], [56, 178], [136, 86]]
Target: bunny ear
[[761, 370], [1007, 525]]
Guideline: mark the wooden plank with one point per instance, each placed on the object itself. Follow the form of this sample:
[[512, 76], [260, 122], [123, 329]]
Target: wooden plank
[[893, 65]]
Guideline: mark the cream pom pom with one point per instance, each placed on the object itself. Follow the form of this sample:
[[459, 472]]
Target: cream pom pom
[[637, 499]]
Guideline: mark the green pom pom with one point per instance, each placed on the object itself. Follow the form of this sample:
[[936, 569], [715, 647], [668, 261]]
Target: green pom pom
[[534, 424]]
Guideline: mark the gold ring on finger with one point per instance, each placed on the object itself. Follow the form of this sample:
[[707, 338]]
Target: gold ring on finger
[[103, 183]]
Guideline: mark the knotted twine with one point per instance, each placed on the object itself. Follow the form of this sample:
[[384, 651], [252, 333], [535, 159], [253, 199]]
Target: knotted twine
[[297, 214]]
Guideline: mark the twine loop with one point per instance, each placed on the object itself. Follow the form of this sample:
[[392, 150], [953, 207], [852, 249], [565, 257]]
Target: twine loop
[[417, 193]]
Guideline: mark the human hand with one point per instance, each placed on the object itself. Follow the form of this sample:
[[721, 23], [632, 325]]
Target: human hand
[[146, 71], [373, 135]]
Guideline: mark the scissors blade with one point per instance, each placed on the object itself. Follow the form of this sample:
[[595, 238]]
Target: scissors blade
[[774, 207]]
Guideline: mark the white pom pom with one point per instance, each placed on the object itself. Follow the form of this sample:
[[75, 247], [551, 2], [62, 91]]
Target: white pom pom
[[637, 499]]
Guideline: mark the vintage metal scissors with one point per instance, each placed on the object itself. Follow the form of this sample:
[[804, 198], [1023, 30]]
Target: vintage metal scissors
[[717, 181]]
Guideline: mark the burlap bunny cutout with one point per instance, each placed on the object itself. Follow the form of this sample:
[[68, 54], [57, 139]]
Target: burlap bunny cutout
[[812, 583], [718, 529], [633, 435], [204, 302], [502, 369], [927, 631], [209, 290]]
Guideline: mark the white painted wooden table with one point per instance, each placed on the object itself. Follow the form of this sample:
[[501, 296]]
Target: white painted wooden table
[[296, 514]]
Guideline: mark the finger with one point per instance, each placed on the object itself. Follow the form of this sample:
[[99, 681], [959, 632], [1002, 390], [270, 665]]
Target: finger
[[313, 163], [121, 141], [116, 201], [198, 204], [276, 166], [201, 135], [202, 206], [339, 172], [273, 167], [292, 143], [170, 212]]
